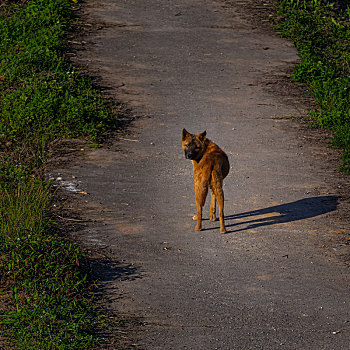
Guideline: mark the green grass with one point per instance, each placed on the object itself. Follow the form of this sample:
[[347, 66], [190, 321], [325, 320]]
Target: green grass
[[46, 294], [322, 37], [43, 96], [44, 287], [40, 272]]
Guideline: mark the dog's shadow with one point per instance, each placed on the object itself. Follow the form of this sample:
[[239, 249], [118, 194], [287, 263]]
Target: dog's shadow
[[284, 213]]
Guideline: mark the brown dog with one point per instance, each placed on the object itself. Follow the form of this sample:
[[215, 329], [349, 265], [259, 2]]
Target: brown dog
[[210, 167]]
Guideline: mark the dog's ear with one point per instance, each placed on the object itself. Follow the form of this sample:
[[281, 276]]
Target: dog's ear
[[202, 136], [185, 133]]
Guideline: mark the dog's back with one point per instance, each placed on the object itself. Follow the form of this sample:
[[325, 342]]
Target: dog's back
[[215, 155]]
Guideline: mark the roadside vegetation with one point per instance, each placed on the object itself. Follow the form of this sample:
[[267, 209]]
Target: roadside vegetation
[[320, 30], [46, 295]]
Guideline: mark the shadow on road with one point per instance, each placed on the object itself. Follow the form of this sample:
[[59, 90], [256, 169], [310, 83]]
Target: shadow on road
[[302, 209], [108, 270]]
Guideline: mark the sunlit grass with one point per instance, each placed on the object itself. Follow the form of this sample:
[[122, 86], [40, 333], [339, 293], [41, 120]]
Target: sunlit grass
[[322, 38]]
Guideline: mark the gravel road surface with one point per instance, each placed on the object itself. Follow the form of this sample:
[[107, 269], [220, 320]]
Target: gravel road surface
[[277, 279]]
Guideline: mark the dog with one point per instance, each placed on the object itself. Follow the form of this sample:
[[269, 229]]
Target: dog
[[210, 167]]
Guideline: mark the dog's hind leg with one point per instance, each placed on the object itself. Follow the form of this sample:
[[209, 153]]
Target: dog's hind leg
[[212, 210], [220, 199], [216, 186]]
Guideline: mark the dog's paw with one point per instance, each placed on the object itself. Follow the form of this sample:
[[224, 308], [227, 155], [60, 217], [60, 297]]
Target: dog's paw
[[194, 217], [223, 230], [212, 217]]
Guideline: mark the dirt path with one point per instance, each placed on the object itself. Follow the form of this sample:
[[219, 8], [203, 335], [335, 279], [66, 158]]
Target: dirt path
[[268, 283]]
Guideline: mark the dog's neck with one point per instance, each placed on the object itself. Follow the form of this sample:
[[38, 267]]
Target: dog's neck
[[200, 156]]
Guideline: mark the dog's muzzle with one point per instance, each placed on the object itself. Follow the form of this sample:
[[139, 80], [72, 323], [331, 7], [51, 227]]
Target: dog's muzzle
[[190, 155]]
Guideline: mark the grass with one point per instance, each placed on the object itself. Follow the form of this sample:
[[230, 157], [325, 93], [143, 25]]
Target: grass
[[40, 270], [321, 33], [46, 294], [43, 96]]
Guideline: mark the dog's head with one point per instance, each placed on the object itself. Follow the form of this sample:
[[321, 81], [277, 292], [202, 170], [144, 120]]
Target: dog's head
[[193, 145]]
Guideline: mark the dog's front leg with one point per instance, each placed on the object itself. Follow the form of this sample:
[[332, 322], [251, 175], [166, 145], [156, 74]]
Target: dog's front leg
[[200, 192], [199, 218]]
